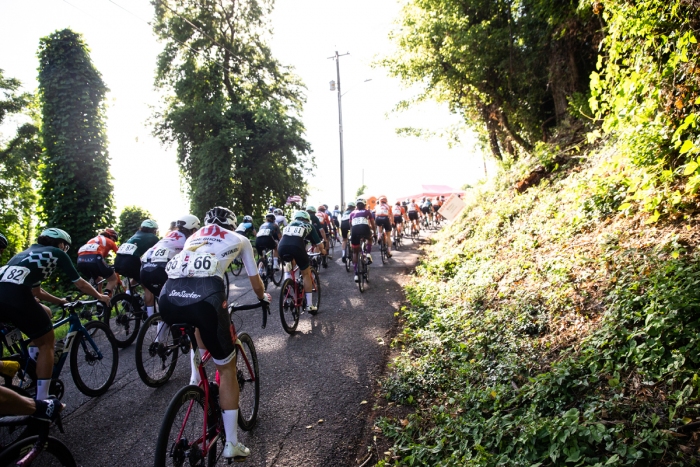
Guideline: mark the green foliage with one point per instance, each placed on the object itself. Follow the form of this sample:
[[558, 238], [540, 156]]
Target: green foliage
[[76, 191], [234, 110], [130, 220], [544, 329], [360, 191], [18, 171]]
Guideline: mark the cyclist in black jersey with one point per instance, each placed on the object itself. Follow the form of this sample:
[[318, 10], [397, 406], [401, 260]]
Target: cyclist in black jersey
[[268, 236]]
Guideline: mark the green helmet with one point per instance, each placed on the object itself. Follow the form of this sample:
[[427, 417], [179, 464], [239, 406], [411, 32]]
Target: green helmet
[[57, 233], [302, 215], [148, 223], [310, 209], [351, 204]]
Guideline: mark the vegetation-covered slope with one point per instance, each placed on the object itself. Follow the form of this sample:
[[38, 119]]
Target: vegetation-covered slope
[[553, 327]]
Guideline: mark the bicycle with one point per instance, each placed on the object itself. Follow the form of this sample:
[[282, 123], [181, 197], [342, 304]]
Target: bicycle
[[94, 357], [39, 449], [397, 238], [192, 426], [127, 313], [362, 266], [267, 271], [383, 251], [348, 254], [293, 296]]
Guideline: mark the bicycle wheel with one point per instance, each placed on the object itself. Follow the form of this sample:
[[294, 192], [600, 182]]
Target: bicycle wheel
[[54, 453], [248, 382], [236, 266], [382, 250], [156, 353], [348, 256], [91, 374], [262, 271], [180, 440], [315, 292], [124, 320], [361, 273], [289, 312], [275, 274]]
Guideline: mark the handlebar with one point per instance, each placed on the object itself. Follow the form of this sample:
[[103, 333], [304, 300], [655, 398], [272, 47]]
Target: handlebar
[[265, 306]]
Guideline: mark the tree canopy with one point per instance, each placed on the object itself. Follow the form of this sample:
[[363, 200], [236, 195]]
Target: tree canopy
[[233, 111]]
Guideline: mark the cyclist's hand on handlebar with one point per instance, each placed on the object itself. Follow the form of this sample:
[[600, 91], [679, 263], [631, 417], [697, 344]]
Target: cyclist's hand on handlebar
[[104, 299], [267, 298]]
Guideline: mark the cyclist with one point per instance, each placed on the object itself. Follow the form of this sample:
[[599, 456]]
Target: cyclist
[[293, 244], [12, 403], [437, 205], [280, 219], [426, 208], [399, 216], [413, 210], [154, 260], [194, 293], [384, 219], [246, 228], [335, 217], [128, 260], [92, 256], [3, 243], [316, 223], [327, 227], [267, 238], [20, 282], [362, 226], [345, 226]]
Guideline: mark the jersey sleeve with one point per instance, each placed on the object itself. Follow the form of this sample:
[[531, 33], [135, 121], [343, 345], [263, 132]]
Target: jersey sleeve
[[314, 236], [247, 257], [66, 265], [111, 246]]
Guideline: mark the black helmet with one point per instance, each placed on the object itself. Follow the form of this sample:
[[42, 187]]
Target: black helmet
[[3, 242], [270, 217], [222, 217]]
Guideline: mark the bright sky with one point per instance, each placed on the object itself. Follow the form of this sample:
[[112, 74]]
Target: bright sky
[[145, 173]]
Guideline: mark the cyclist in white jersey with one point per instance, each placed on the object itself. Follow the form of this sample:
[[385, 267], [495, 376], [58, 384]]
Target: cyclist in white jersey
[[280, 219], [195, 294]]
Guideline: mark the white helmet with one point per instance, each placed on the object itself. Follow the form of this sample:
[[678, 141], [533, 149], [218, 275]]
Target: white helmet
[[188, 221]]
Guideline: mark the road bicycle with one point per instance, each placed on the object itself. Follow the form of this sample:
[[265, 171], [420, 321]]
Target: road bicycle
[[38, 449], [397, 237], [267, 271], [362, 267], [293, 296], [127, 312], [348, 254], [383, 250], [192, 431], [94, 357]]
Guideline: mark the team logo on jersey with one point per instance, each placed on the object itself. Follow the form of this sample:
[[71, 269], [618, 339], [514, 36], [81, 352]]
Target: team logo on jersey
[[44, 260], [211, 231]]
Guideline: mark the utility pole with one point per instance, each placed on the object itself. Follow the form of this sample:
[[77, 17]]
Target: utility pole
[[336, 57]]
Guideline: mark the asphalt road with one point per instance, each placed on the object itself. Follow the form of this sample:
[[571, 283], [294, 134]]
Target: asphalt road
[[313, 383]]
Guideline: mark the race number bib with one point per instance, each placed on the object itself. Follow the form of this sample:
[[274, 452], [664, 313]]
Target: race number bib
[[89, 248], [127, 249], [160, 255], [15, 274], [346, 217], [264, 233], [294, 231], [360, 221], [192, 264], [12, 337]]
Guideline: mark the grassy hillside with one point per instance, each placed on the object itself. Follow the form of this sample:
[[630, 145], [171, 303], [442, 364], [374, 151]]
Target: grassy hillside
[[558, 326]]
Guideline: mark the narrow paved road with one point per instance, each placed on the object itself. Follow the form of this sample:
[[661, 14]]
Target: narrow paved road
[[313, 383]]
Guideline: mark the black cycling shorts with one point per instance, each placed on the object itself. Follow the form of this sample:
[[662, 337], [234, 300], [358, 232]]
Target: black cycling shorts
[[345, 229], [153, 277], [383, 221], [128, 266], [425, 210], [199, 302], [359, 232], [264, 243], [290, 249], [94, 266], [436, 208], [19, 308], [398, 220], [412, 215]]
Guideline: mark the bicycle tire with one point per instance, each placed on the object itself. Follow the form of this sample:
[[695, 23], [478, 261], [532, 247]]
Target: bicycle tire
[[361, 273], [124, 319], [275, 275], [175, 452], [100, 372], [54, 453], [248, 385], [236, 266], [315, 294], [289, 312], [155, 361], [263, 267], [383, 250]]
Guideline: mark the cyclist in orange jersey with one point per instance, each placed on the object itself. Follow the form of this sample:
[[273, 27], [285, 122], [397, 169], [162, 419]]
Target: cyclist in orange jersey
[[92, 258]]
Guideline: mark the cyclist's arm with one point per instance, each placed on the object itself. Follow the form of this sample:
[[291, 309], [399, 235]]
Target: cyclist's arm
[[43, 295], [12, 403], [257, 284], [87, 289]]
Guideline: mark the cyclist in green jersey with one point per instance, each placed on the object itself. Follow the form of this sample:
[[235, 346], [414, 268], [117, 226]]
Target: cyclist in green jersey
[[128, 260], [20, 282]]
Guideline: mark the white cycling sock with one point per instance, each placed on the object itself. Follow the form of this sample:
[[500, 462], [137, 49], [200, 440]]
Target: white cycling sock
[[42, 388], [150, 310], [231, 425], [33, 352], [308, 299], [274, 262], [194, 376], [162, 332]]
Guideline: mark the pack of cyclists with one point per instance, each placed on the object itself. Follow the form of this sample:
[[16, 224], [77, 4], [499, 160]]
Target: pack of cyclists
[[185, 270]]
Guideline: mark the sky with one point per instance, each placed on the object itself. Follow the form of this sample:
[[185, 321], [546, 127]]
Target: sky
[[306, 32]]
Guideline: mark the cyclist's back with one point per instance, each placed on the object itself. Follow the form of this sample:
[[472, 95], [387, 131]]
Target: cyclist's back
[[128, 260]]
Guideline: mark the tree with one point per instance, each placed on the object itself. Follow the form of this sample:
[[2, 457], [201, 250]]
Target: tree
[[18, 170], [76, 191], [130, 220], [234, 111], [360, 191]]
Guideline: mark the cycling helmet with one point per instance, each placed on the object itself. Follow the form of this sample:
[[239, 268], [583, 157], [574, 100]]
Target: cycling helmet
[[188, 221], [382, 198], [56, 233], [325, 206], [148, 223], [278, 212], [351, 204], [3, 242], [222, 217], [322, 207], [302, 215], [337, 207], [310, 209], [247, 219], [111, 233], [270, 217]]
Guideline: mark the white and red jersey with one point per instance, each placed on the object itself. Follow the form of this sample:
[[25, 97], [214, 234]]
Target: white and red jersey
[[382, 210], [413, 207], [323, 217], [99, 245], [209, 252], [165, 249]]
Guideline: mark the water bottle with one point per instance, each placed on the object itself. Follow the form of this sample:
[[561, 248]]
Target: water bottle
[[58, 351]]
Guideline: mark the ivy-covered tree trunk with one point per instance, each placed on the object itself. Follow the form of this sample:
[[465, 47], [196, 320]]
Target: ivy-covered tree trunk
[[76, 191]]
